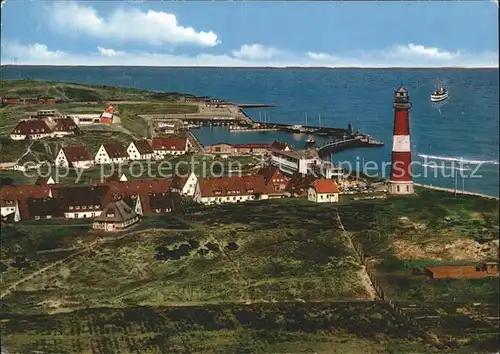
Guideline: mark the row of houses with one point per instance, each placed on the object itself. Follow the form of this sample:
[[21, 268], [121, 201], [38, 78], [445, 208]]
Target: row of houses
[[50, 123], [116, 153], [44, 128], [47, 199], [30, 100]]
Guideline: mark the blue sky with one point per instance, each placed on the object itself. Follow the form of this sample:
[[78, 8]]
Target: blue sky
[[336, 34]]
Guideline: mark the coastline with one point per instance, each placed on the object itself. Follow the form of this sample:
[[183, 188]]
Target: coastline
[[459, 192]]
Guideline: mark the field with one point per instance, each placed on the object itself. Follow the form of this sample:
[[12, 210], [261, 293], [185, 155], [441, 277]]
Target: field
[[81, 92], [262, 328], [269, 276], [255, 261]]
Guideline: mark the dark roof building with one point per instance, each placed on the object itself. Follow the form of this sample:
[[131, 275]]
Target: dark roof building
[[66, 125], [115, 150], [31, 127], [77, 153], [44, 208], [164, 202], [116, 216], [143, 146]]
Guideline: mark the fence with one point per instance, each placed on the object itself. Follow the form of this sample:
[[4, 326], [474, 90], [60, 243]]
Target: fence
[[430, 338]]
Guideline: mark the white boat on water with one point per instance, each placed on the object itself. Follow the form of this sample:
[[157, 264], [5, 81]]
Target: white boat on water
[[310, 141], [440, 94]]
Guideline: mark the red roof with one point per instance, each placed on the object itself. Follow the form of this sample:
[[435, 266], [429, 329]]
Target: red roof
[[143, 147], [138, 187], [115, 150], [173, 144], [77, 153], [280, 145], [251, 146], [229, 186], [66, 125], [110, 108], [24, 191], [325, 186], [30, 127]]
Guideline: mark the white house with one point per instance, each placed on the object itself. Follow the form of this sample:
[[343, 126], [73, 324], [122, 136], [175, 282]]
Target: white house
[[295, 161], [323, 191], [74, 156], [65, 126], [170, 146], [230, 189], [186, 185], [140, 150], [9, 207], [31, 129], [111, 153], [85, 119], [81, 202], [116, 216]]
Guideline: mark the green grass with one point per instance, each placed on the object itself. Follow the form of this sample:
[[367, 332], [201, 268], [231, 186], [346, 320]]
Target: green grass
[[157, 108], [26, 238], [263, 328], [286, 260], [432, 218], [403, 286], [79, 91], [9, 118], [288, 251]]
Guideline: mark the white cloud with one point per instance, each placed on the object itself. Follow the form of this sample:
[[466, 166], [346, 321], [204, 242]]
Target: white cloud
[[153, 27], [414, 50], [256, 52], [39, 54], [109, 52], [323, 57]]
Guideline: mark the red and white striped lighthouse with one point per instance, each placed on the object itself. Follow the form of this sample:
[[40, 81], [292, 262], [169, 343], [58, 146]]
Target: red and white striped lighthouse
[[401, 181]]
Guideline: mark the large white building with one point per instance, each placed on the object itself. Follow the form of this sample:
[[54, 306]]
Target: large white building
[[31, 129], [291, 162], [85, 119], [170, 146], [82, 202], [230, 189]]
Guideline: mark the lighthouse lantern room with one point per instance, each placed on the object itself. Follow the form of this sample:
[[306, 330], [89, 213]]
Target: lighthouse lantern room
[[401, 181]]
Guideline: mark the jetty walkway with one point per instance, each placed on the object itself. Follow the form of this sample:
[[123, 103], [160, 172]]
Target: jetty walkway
[[358, 141]]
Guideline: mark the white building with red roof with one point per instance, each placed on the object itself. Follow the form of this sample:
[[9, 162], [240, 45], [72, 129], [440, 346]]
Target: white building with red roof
[[233, 189], [75, 156], [111, 153], [170, 146], [31, 129], [323, 191], [140, 150]]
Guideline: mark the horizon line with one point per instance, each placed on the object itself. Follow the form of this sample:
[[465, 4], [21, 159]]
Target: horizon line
[[260, 67]]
